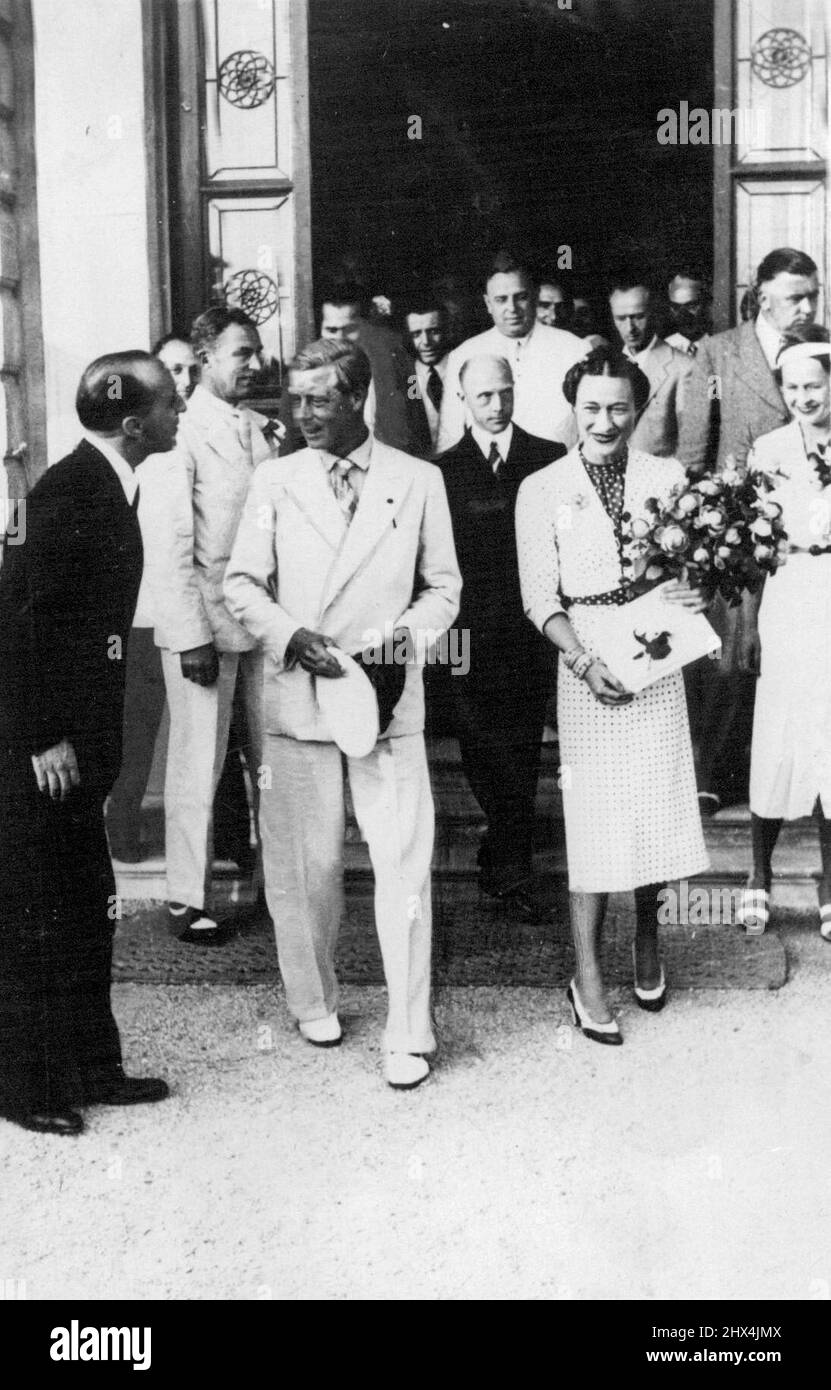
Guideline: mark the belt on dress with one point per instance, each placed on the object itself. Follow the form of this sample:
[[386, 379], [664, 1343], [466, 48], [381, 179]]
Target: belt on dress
[[611, 598], [809, 549]]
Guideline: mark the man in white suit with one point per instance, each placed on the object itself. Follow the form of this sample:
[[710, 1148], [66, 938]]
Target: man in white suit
[[204, 650], [339, 543], [633, 310], [539, 357]]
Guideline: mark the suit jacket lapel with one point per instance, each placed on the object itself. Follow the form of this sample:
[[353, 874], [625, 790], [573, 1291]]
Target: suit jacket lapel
[[385, 487], [661, 356], [310, 491], [751, 366]]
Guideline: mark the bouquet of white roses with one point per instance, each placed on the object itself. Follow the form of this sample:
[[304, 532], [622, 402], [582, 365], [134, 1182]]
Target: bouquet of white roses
[[722, 532]]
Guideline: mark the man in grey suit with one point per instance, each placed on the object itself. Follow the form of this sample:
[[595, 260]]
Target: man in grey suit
[[633, 308], [731, 399]]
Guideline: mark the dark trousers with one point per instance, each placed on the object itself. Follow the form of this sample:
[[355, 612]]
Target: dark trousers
[[498, 720], [144, 702], [720, 705], [57, 914]]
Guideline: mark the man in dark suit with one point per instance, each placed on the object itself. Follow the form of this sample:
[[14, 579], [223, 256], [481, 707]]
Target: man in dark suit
[[499, 703], [731, 399], [428, 339], [344, 319], [67, 598]]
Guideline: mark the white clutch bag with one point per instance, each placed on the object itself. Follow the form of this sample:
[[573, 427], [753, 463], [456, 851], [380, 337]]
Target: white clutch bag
[[649, 638]]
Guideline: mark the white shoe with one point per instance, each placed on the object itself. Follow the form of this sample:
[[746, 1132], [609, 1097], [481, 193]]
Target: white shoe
[[754, 911], [404, 1071], [322, 1032]]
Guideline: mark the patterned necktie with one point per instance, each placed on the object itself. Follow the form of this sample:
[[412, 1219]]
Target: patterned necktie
[[435, 388], [345, 494], [495, 460]]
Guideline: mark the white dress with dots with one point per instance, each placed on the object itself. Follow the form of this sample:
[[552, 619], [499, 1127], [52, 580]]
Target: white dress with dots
[[629, 794]]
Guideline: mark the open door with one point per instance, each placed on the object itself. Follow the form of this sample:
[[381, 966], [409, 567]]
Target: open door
[[771, 71], [239, 164]]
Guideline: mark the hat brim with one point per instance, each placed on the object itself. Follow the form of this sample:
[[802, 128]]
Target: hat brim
[[349, 707]]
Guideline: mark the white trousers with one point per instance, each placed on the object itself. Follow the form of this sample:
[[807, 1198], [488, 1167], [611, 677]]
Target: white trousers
[[200, 717], [302, 823]]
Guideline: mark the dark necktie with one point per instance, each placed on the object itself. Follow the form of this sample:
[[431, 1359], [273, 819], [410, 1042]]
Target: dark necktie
[[435, 388], [135, 502], [495, 460]]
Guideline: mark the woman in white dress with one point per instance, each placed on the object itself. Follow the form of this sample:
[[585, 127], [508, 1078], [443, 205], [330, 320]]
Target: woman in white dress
[[629, 795], [790, 763]]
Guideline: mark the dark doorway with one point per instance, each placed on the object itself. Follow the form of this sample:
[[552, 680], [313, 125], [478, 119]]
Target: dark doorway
[[538, 129]]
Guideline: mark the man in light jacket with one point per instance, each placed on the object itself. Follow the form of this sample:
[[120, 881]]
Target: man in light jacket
[[345, 543]]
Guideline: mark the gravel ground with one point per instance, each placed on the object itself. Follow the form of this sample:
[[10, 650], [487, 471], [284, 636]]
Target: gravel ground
[[691, 1163]]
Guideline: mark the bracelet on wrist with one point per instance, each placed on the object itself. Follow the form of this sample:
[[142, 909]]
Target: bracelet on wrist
[[578, 660]]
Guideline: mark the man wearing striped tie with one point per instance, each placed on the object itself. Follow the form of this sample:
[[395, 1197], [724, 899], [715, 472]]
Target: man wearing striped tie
[[341, 544]]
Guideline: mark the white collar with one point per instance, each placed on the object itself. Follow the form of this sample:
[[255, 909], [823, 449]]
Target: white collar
[[119, 465], [770, 339], [361, 456], [204, 399], [423, 371], [485, 439], [641, 353], [515, 344]]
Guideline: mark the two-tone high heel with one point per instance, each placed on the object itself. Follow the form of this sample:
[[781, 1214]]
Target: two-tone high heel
[[653, 1000], [608, 1033]]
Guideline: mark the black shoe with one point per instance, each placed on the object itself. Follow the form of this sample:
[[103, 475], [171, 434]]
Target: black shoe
[[50, 1121], [127, 1090], [519, 901], [181, 926]]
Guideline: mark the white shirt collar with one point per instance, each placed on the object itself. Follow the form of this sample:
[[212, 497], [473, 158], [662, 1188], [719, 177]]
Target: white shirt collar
[[770, 339], [423, 371], [361, 456], [515, 345], [207, 400], [485, 439], [120, 466], [639, 356]]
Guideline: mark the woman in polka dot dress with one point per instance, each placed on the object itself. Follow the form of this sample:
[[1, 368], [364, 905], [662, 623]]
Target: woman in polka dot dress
[[629, 793]]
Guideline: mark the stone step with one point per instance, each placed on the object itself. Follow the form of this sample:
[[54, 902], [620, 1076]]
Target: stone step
[[479, 947], [459, 825]]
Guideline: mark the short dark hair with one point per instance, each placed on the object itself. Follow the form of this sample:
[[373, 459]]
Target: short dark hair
[[210, 325], [424, 299], [507, 262], [169, 338], [340, 292], [350, 362], [113, 387], [805, 333], [607, 361], [784, 260], [631, 278], [546, 277]]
